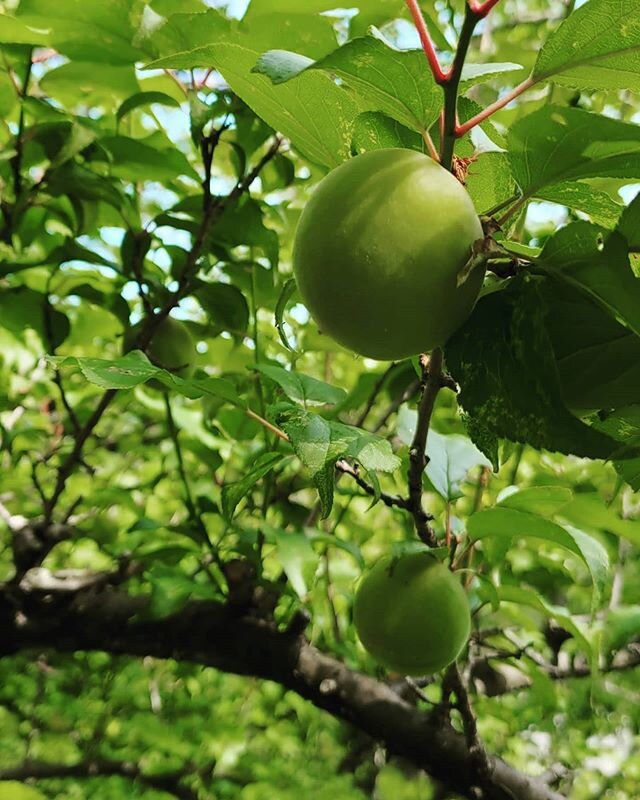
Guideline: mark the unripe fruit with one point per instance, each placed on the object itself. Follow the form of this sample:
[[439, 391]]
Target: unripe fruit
[[378, 250], [412, 614], [171, 347]]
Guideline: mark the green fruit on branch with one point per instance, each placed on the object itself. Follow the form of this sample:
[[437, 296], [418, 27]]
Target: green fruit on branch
[[171, 348], [378, 251], [412, 614]]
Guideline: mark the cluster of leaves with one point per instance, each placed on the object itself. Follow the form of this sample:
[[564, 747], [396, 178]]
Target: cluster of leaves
[[142, 171]]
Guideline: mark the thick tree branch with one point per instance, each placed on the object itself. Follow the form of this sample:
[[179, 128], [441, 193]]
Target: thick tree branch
[[208, 633]]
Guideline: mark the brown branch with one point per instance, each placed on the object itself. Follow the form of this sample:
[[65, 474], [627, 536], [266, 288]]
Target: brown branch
[[389, 500], [215, 635], [417, 452]]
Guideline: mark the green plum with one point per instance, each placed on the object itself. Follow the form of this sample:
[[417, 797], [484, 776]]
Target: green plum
[[412, 614], [378, 250]]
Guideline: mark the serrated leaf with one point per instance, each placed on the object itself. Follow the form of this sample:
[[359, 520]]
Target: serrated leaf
[[587, 258], [319, 443], [597, 47], [394, 82], [135, 368], [598, 359], [553, 145], [503, 360], [302, 388], [232, 493]]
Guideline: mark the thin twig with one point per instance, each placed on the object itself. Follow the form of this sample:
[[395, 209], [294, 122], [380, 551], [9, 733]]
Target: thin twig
[[389, 500], [469, 725], [377, 388], [501, 102]]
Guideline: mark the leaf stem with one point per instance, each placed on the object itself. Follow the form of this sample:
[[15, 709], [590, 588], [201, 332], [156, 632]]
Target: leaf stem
[[501, 102], [439, 75]]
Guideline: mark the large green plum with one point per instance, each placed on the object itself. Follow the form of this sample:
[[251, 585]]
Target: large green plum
[[378, 250], [412, 614]]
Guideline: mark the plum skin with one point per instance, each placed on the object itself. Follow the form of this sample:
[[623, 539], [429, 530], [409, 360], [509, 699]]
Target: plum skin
[[411, 614], [378, 250]]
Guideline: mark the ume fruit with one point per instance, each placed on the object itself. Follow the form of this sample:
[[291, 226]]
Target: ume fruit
[[378, 250], [412, 614]]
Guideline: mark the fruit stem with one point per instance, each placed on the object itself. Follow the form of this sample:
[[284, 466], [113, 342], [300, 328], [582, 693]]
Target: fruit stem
[[439, 75], [432, 371]]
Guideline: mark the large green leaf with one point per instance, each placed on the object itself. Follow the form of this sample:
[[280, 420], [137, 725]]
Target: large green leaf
[[504, 361], [315, 113], [554, 145], [394, 82], [597, 47], [301, 388], [581, 255], [513, 523]]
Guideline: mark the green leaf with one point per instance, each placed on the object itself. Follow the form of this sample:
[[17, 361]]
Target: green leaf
[[289, 288], [298, 559], [315, 113], [394, 82], [629, 224], [451, 457], [135, 368], [302, 389], [375, 131], [554, 145], [232, 493], [144, 99], [624, 425], [581, 255], [542, 500], [583, 197], [512, 523], [503, 360], [473, 74], [136, 160], [598, 359], [319, 443], [621, 626], [226, 307], [171, 590], [527, 597], [588, 511], [12, 790], [597, 47]]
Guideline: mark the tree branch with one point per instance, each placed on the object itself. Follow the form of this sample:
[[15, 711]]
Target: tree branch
[[417, 452], [215, 635]]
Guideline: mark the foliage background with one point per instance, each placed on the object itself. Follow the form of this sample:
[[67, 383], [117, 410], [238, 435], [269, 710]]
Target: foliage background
[[101, 180]]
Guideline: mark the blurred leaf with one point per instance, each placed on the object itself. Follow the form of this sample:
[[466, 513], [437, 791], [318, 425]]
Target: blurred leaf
[[302, 389], [232, 493]]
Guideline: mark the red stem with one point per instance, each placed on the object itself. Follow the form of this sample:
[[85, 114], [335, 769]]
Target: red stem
[[482, 9], [439, 74], [500, 103]]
